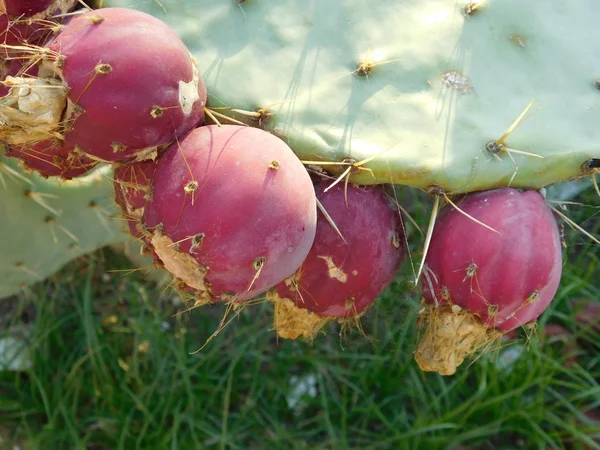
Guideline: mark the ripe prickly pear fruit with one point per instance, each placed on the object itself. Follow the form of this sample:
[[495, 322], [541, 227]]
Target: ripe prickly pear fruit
[[346, 269], [10, 65], [479, 283], [50, 159], [232, 212], [23, 21], [115, 84], [132, 190]]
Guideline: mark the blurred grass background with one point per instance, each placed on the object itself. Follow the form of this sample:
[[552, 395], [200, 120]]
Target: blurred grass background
[[111, 366]]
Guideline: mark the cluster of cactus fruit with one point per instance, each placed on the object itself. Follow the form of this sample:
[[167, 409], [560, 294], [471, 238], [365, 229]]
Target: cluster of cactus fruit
[[239, 200]]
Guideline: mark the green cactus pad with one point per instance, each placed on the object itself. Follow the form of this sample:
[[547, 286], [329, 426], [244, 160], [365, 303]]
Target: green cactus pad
[[47, 223], [419, 86]]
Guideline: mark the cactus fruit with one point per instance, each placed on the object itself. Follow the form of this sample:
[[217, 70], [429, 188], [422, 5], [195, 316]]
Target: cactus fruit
[[48, 223], [30, 20], [115, 84], [492, 266], [132, 190], [232, 212], [357, 252], [11, 64], [427, 90], [51, 159]]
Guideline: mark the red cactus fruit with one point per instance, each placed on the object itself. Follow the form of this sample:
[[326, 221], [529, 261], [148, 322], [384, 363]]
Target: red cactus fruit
[[29, 21], [51, 159], [132, 190], [478, 283], [8, 67], [232, 213], [14, 64], [341, 277], [117, 83]]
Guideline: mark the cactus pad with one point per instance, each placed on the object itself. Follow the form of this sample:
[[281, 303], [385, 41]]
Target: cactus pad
[[428, 90], [47, 223]]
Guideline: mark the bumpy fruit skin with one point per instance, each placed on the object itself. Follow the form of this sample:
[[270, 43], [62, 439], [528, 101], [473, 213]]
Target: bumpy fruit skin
[[240, 207], [340, 278], [30, 20], [477, 283]]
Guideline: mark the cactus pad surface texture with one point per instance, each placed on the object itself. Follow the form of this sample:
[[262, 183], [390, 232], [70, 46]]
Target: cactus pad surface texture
[[46, 223], [466, 96]]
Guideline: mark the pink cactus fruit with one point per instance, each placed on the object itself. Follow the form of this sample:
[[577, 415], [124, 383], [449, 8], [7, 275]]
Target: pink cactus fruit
[[346, 269], [30, 21], [116, 84], [14, 64], [8, 67], [132, 190], [232, 212], [479, 284], [51, 159]]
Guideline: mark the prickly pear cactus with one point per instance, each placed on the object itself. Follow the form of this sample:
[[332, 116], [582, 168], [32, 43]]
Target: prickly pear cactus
[[46, 223], [462, 95]]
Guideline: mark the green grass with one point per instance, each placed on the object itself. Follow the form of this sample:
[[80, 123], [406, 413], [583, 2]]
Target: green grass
[[113, 369]]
